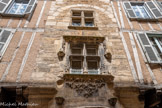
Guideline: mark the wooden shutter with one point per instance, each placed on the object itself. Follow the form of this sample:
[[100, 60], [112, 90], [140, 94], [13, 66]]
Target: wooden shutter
[[129, 10], [4, 4], [4, 36], [154, 9], [160, 5], [147, 47], [30, 7]]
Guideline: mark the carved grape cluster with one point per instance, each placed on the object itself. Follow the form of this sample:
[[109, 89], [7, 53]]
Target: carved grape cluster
[[85, 88]]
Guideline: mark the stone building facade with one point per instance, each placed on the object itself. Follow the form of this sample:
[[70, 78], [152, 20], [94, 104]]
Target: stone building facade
[[80, 54]]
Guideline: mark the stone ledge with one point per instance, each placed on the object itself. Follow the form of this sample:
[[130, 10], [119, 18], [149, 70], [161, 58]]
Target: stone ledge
[[86, 77]]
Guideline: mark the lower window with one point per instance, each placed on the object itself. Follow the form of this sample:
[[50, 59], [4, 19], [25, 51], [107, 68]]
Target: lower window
[[152, 46], [84, 58]]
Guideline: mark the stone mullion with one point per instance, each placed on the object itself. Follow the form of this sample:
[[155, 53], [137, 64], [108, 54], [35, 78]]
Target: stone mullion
[[82, 19], [67, 55], [101, 53], [85, 63]]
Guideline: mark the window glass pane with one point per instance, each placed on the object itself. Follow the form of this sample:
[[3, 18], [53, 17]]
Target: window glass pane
[[157, 48], [89, 22], [136, 12], [18, 8], [4, 38], [76, 64], [77, 49], [76, 13], [88, 14], [140, 11], [91, 51], [92, 65], [14, 8], [22, 9], [76, 22], [143, 11]]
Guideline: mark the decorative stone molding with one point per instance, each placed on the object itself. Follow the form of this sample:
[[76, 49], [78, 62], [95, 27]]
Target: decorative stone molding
[[86, 85], [85, 89], [88, 78], [84, 39]]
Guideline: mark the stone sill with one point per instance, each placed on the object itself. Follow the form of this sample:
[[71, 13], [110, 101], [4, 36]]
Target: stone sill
[[107, 77], [82, 28]]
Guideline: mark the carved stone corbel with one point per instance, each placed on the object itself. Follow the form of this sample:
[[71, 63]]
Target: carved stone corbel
[[59, 100], [108, 51], [112, 101], [61, 54], [108, 55]]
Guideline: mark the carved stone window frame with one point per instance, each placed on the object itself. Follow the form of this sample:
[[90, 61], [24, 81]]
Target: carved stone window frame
[[98, 57], [83, 19]]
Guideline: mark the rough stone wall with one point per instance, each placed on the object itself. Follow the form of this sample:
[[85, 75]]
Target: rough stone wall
[[49, 68]]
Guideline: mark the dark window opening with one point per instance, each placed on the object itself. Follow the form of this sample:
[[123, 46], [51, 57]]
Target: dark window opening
[[84, 57], [76, 22], [152, 100], [76, 64], [9, 96], [76, 13], [88, 14], [92, 49], [76, 49], [89, 22], [92, 65]]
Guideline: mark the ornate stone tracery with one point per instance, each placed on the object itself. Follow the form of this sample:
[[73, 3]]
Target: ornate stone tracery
[[86, 86], [85, 89]]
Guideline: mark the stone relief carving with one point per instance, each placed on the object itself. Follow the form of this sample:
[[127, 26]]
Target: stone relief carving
[[86, 88]]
